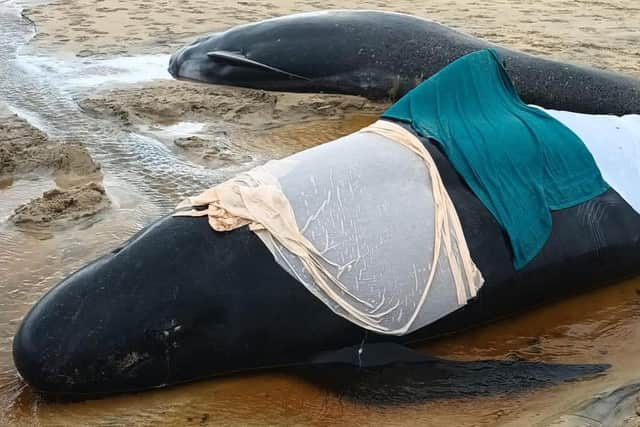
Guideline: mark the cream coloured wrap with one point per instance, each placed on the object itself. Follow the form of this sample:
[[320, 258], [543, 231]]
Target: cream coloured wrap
[[364, 222]]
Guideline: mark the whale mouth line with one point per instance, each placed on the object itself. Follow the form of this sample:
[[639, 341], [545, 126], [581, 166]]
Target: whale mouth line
[[237, 58]]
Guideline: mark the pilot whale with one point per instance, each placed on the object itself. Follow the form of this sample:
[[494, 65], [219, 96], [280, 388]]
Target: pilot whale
[[382, 55], [180, 302]]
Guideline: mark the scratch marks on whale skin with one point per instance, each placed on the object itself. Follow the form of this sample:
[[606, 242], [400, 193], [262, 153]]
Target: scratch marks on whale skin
[[591, 215]]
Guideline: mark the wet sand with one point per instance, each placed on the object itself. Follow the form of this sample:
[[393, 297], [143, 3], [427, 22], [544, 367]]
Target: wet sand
[[218, 126], [233, 129]]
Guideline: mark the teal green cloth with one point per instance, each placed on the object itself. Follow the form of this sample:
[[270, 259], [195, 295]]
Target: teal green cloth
[[519, 161]]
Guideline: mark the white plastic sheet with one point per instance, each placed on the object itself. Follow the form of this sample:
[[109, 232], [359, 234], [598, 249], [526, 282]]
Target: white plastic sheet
[[366, 204]]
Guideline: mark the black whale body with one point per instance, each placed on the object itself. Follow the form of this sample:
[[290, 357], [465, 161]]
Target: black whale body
[[179, 302], [382, 55]]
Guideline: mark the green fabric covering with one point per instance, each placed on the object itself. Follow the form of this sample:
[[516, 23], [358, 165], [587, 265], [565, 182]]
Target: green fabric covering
[[519, 161]]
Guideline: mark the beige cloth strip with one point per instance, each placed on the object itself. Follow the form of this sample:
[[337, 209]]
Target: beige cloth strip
[[255, 199]]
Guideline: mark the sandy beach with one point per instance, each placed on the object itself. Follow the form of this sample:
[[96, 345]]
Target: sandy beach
[[83, 168]]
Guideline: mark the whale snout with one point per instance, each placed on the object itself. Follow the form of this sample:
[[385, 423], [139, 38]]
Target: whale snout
[[159, 310], [174, 63], [191, 61], [173, 67], [127, 321], [72, 344]]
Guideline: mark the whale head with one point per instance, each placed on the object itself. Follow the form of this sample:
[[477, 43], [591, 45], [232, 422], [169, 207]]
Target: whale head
[[223, 59], [324, 52]]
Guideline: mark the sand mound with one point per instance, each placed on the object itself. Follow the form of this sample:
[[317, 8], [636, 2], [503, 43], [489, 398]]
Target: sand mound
[[62, 205], [25, 149], [167, 102], [20, 145]]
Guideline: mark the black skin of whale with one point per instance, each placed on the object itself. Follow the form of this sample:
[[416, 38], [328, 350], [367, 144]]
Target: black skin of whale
[[382, 55], [180, 302]]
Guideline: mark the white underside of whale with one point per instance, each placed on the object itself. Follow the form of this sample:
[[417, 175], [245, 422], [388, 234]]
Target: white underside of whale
[[614, 143]]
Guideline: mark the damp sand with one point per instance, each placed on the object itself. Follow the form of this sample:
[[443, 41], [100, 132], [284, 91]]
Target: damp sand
[[218, 126], [599, 327]]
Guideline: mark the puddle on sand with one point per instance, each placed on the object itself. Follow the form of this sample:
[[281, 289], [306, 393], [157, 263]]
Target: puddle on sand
[[184, 128]]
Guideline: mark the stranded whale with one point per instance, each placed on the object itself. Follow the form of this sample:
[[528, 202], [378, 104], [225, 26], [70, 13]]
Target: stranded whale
[[382, 55], [180, 302]]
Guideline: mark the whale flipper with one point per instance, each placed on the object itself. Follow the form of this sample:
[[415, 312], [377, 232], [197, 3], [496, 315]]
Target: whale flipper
[[236, 58]]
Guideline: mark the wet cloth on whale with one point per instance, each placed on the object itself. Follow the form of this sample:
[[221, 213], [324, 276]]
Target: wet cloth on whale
[[614, 142], [519, 161], [364, 222]]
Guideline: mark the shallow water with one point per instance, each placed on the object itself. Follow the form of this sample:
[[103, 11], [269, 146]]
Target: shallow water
[[144, 178], [81, 74]]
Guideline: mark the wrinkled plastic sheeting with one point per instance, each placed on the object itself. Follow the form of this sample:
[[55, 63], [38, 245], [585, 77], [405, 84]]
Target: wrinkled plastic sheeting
[[366, 204]]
